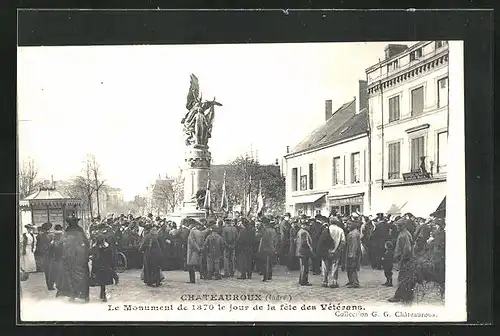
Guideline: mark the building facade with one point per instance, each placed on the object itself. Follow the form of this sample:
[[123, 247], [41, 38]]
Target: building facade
[[328, 171], [408, 113]]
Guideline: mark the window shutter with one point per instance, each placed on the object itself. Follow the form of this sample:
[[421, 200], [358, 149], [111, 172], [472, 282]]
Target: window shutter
[[417, 101]]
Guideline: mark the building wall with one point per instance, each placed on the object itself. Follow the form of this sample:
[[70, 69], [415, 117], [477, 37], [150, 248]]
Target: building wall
[[322, 161], [385, 133]]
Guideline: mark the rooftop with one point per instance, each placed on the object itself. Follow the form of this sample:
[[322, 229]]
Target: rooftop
[[342, 125], [46, 194]]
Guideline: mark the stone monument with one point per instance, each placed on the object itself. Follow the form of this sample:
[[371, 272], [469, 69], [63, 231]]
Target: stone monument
[[197, 126]]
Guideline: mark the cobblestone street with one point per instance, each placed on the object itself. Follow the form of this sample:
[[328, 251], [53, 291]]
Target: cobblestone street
[[132, 289]]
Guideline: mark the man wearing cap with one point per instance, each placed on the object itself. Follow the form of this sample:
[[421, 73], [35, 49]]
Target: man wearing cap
[[304, 251], [353, 243], [213, 247], [230, 234], [267, 249], [403, 254]]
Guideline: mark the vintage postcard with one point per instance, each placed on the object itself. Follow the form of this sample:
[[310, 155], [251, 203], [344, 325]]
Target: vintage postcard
[[242, 182]]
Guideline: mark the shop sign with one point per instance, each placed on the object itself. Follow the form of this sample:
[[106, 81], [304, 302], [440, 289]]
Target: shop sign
[[346, 201], [415, 176]]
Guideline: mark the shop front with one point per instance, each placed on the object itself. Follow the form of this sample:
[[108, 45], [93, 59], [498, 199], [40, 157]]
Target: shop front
[[48, 205], [310, 205], [346, 204]]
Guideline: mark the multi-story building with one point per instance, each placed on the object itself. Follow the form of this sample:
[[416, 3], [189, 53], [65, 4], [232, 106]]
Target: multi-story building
[[329, 169], [408, 112]]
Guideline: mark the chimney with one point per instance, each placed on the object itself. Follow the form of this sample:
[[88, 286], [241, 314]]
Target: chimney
[[287, 149], [362, 96], [328, 109], [394, 49]]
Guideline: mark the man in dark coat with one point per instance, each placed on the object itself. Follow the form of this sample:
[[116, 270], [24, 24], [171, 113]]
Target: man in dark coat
[[284, 239], [267, 249], [183, 234], [55, 253], [244, 247], [42, 248], [293, 260], [315, 231], [378, 238]]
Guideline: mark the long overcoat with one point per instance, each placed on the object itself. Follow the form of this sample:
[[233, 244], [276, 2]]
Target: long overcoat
[[194, 244]]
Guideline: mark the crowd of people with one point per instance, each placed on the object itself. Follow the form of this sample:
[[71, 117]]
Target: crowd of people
[[238, 247]]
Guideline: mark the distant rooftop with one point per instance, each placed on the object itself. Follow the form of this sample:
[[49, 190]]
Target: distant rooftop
[[343, 124], [46, 193]]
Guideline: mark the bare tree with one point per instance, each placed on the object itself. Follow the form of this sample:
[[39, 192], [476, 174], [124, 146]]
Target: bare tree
[[28, 173], [93, 171], [167, 194]]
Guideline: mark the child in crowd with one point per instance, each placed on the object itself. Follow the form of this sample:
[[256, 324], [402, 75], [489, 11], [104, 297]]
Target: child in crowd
[[388, 263]]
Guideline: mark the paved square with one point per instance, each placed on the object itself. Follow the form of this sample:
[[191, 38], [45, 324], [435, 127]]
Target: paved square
[[284, 283]]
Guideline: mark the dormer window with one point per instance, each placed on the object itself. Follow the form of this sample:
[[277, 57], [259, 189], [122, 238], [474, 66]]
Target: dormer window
[[440, 44], [416, 54], [392, 66]]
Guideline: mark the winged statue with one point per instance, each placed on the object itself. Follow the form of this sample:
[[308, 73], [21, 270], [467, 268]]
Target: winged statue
[[198, 120]]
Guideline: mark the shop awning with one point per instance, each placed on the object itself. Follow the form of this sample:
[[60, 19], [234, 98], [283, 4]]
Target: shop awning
[[339, 200], [307, 198], [423, 207], [441, 210]]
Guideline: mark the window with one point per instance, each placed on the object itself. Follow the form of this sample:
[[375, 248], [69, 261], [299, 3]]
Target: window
[[417, 151], [356, 208], [355, 167], [417, 101], [442, 152], [336, 171], [311, 176], [303, 182], [442, 92], [440, 44], [416, 54], [394, 160], [392, 66], [394, 109], [294, 179]]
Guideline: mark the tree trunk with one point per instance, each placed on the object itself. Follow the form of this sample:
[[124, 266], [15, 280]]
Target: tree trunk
[[98, 205]]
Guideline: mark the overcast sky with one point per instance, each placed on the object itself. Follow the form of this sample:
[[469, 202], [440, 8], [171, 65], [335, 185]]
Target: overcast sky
[[124, 104]]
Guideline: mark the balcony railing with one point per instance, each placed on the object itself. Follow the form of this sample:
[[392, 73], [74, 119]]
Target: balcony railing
[[409, 64]]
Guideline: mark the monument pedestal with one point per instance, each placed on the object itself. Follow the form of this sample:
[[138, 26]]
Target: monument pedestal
[[195, 176]]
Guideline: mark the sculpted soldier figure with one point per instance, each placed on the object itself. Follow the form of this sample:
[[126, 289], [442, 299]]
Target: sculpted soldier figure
[[199, 118]]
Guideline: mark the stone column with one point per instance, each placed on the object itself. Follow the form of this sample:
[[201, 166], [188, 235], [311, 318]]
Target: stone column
[[195, 175]]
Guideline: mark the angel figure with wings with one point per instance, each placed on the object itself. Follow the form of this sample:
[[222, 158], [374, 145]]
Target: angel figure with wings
[[199, 117]]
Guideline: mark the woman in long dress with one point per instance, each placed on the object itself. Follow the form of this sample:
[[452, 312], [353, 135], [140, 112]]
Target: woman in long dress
[[102, 273], [28, 263], [152, 274], [74, 281]]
